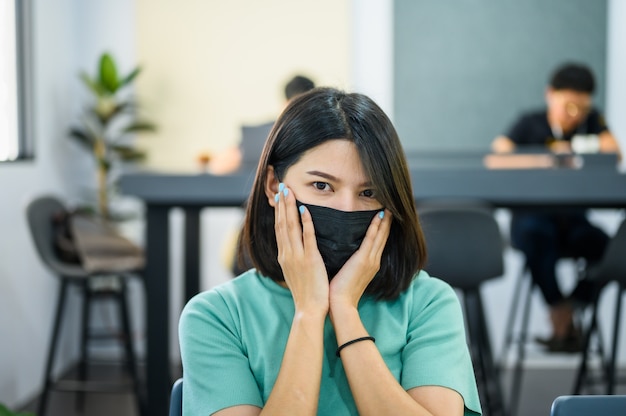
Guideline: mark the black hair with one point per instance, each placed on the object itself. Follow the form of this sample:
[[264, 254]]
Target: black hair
[[309, 120], [572, 76], [298, 85]]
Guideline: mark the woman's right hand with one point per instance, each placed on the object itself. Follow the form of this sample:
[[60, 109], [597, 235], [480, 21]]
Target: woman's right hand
[[298, 255]]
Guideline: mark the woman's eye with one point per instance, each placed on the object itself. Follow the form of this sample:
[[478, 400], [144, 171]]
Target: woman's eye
[[321, 186], [368, 193]]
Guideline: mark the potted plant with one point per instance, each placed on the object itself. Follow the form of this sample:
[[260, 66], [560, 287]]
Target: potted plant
[[108, 124], [5, 411]]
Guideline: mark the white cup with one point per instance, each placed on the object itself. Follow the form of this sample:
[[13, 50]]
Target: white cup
[[586, 143]]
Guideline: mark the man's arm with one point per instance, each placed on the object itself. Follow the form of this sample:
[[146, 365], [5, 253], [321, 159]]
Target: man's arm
[[608, 144], [502, 144], [225, 162]]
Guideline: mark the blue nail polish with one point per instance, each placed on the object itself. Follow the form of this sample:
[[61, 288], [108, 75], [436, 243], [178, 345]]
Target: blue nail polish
[[276, 197], [381, 214], [301, 209], [285, 191], [281, 186]]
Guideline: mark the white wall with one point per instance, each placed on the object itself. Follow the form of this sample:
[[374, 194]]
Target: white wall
[[616, 68], [66, 34], [372, 51], [28, 290], [212, 66]]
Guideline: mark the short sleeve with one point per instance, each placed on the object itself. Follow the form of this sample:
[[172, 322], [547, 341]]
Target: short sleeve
[[436, 352], [596, 123], [519, 131], [216, 371]]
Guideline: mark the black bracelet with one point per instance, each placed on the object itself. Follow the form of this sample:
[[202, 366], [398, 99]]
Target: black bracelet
[[354, 341]]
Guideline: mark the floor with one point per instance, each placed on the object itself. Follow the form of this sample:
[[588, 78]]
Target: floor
[[542, 383], [123, 403]]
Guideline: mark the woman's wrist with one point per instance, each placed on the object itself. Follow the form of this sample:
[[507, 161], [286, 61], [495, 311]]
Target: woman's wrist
[[344, 317], [310, 314]]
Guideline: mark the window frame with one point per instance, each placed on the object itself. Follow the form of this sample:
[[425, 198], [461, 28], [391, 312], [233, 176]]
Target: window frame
[[23, 82]]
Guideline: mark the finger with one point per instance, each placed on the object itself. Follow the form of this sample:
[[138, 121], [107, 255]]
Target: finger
[[280, 227], [294, 229], [308, 230], [382, 235], [376, 236], [372, 231]]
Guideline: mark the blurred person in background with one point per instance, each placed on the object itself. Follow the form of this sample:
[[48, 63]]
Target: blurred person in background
[[245, 157], [569, 123]]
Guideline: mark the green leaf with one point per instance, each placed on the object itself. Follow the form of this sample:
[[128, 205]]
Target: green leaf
[[4, 411], [91, 84], [130, 77], [104, 164], [105, 108], [140, 126], [128, 153], [120, 108], [108, 73], [92, 130], [82, 136]]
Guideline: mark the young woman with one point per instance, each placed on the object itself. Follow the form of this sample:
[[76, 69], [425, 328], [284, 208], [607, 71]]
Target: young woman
[[337, 318]]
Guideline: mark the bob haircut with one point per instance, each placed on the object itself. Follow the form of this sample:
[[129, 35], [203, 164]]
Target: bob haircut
[[309, 120]]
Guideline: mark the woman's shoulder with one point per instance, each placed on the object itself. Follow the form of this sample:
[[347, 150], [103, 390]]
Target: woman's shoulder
[[425, 284], [427, 291], [248, 287], [224, 292]]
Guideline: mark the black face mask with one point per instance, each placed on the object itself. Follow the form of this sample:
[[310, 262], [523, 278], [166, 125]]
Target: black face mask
[[338, 233]]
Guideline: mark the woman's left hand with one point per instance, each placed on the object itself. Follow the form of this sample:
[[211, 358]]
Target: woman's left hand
[[347, 287]]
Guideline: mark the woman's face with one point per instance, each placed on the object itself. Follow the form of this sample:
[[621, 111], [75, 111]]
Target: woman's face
[[329, 175]]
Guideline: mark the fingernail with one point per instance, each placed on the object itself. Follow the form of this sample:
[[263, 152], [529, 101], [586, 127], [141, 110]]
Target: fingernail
[[281, 186], [381, 214], [276, 197], [301, 209], [285, 191]]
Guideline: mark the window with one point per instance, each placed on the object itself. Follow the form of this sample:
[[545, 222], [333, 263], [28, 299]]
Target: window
[[15, 136]]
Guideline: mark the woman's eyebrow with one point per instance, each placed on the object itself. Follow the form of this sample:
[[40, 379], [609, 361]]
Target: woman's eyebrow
[[330, 177], [323, 175]]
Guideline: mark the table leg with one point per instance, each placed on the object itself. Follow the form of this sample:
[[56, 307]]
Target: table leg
[[192, 251], [157, 283]]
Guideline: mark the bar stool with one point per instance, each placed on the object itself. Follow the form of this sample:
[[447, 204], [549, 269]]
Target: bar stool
[[92, 286]]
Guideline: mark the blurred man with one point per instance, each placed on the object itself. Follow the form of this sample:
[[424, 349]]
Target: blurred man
[[544, 237]]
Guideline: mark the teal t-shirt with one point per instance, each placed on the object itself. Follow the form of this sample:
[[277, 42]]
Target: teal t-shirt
[[233, 337]]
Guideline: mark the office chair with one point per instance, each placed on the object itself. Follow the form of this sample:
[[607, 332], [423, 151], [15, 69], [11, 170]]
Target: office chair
[[612, 268], [589, 406], [465, 249], [40, 213], [176, 398]]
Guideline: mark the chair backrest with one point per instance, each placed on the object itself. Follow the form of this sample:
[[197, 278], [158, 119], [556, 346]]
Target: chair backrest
[[176, 398], [464, 242], [613, 264], [589, 405], [39, 214]]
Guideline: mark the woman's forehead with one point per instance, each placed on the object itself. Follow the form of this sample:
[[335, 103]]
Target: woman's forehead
[[338, 157]]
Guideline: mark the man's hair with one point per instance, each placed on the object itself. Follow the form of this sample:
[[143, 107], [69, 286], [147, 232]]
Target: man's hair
[[298, 85], [574, 77]]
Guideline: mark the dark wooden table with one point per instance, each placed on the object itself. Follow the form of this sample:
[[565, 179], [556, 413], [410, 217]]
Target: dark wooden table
[[545, 188]]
